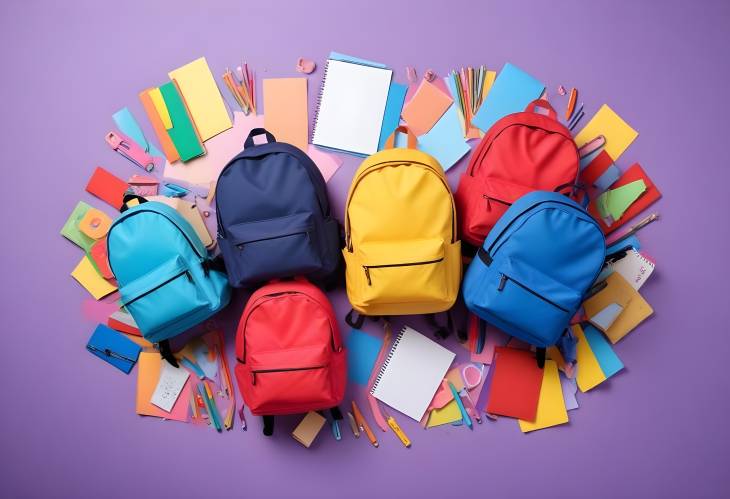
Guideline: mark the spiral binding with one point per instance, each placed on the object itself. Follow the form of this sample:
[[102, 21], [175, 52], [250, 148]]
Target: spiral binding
[[319, 102], [384, 367]]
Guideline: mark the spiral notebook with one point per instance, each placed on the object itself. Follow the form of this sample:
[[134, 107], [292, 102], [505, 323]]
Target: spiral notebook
[[412, 372], [351, 107]]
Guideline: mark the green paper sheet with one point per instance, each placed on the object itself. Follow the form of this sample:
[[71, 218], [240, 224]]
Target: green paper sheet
[[613, 203], [182, 133], [71, 230]]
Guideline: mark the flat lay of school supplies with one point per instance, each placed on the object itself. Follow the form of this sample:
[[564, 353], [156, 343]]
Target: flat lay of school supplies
[[231, 190]]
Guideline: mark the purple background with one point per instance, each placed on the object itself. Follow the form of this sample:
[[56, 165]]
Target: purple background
[[657, 429]]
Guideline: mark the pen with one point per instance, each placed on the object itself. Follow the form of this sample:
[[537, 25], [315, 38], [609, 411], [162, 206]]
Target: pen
[[636, 228], [464, 414], [336, 429], [109, 353], [353, 425], [397, 430], [464, 395], [364, 424]]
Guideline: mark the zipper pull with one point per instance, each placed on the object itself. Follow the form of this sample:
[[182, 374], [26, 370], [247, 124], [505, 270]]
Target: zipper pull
[[489, 205], [188, 275], [367, 274], [502, 282]]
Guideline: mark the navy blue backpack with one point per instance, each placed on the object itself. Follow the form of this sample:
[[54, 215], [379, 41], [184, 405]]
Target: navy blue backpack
[[274, 215], [535, 267]]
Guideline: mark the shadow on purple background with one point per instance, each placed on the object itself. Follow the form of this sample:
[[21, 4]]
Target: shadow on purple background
[[658, 429]]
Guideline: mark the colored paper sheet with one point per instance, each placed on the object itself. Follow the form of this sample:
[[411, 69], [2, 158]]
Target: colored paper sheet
[[160, 107], [515, 384], [511, 92], [618, 290], [483, 398], [569, 388], [393, 109], [551, 405], [107, 187], [606, 317], [362, 352], [445, 141], [589, 158], [590, 373], [202, 98], [219, 151], [104, 338], [494, 339], [170, 152], [125, 121], [285, 108], [614, 202], [149, 367], [171, 382], [425, 108], [453, 376], [348, 58], [634, 267], [327, 163], [598, 165], [71, 230], [91, 280], [183, 133], [607, 358], [619, 135], [447, 414]]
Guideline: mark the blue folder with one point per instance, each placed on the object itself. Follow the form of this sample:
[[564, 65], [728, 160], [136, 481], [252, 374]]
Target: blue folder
[[114, 348]]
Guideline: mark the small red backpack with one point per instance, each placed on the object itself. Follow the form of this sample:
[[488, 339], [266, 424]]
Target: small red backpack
[[290, 353], [521, 153]]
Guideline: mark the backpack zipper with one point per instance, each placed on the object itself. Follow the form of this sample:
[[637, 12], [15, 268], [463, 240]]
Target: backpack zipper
[[489, 198], [368, 267], [186, 272], [503, 280], [284, 370]]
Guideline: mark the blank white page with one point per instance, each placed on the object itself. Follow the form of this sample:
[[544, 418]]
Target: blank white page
[[412, 373], [351, 107]]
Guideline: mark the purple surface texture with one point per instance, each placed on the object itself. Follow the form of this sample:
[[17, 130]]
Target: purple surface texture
[[655, 430]]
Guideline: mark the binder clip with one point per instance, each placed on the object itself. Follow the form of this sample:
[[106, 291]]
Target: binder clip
[[130, 150]]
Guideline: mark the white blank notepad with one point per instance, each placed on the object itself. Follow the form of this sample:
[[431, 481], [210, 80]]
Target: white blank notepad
[[412, 373], [351, 106]]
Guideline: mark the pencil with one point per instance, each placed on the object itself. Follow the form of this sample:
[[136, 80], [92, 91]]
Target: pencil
[[364, 424]]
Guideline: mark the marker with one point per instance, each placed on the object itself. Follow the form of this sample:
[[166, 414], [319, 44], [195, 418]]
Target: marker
[[353, 425], [464, 414], [397, 430], [364, 424]]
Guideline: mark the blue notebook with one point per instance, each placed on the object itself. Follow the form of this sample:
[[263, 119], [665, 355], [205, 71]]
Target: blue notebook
[[113, 347]]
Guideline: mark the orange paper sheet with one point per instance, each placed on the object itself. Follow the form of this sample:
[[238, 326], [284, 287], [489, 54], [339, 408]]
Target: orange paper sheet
[[285, 110], [148, 374], [426, 107]]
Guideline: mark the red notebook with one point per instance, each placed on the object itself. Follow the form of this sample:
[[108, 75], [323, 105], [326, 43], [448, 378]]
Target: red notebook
[[107, 187], [650, 195], [595, 168], [516, 384]]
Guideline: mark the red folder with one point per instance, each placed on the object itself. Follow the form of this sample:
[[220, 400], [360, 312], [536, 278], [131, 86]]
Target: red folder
[[516, 384], [650, 195], [107, 187]]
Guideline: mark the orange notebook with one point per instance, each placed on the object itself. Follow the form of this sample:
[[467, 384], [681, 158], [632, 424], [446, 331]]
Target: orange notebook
[[165, 141], [285, 110]]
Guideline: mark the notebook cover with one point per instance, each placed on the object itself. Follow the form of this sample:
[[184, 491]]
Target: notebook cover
[[104, 337], [107, 187], [516, 382], [183, 133], [168, 147]]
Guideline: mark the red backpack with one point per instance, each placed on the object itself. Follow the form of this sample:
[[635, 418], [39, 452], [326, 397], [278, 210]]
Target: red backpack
[[521, 153], [290, 354]]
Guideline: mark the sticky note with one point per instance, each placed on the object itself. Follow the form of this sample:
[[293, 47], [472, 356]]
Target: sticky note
[[327, 163], [125, 121], [149, 367], [89, 278], [428, 104], [202, 98], [362, 352], [511, 92], [183, 132], [447, 414], [590, 373], [607, 359], [393, 109], [107, 187], [604, 318], [614, 202], [171, 382], [285, 110], [71, 229], [618, 290], [308, 429], [445, 141], [515, 385], [161, 108], [619, 135], [550, 406]]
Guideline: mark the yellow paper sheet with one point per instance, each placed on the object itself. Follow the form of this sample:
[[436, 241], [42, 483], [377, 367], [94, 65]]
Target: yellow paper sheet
[[161, 108], [202, 98], [550, 406], [89, 278], [590, 373], [447, 414], [285, 110], [619, 135], [618, 290], [489, 78]]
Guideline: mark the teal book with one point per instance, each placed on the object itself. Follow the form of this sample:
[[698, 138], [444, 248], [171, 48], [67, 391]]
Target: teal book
[[183, 133]]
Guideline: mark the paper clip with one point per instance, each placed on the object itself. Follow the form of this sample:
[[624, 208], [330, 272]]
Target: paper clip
[[130, 150]]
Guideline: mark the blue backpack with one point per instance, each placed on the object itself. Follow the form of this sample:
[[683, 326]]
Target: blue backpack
[[164, 274], [274, 215], [532, 272]]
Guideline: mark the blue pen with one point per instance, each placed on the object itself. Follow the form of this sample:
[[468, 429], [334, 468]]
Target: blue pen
[[464, 414], [336, 430]]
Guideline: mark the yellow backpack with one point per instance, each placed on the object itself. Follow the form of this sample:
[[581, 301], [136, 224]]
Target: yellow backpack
[[402, 252]]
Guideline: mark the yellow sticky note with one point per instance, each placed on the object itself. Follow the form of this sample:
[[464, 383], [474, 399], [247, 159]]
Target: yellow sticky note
[[202, 98], [619, 135], [161, 107], [590, 373], [447, 414], [89, 278], [550, 406]]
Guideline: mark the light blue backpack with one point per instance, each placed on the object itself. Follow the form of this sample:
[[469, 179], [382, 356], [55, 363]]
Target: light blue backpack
[[165, 277], [535, 267]]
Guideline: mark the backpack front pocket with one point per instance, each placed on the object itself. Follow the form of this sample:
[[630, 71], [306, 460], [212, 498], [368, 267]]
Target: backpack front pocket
[[163, 296], [403, 272], [531, 301], [277, 247]]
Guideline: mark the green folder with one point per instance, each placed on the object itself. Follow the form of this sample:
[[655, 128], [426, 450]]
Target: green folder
[[182, 133]]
